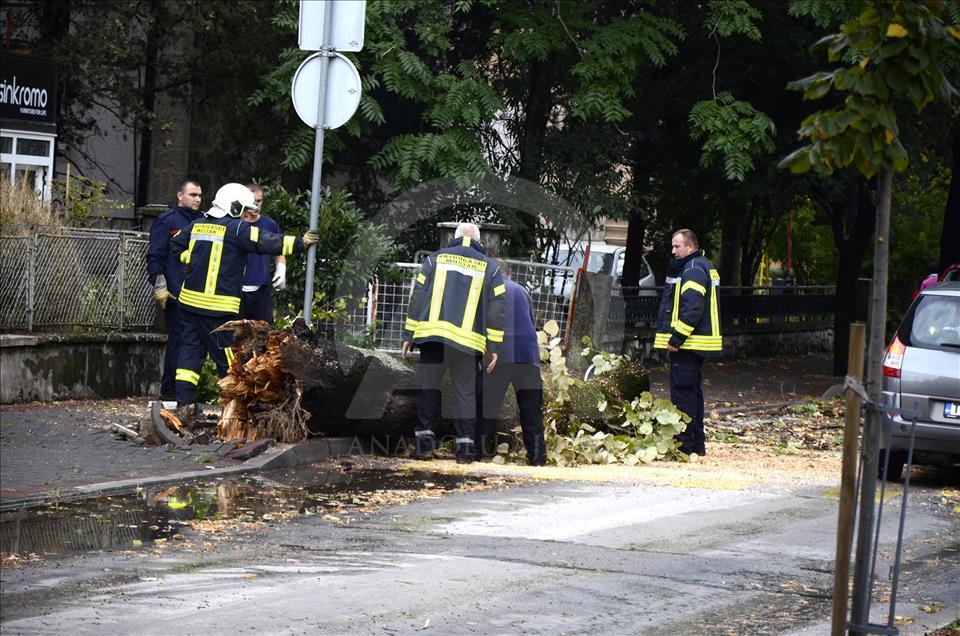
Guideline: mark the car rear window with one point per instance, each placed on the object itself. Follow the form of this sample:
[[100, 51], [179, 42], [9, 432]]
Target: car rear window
[[936, 322]]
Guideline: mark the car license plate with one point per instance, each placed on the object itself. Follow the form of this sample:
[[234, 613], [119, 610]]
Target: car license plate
[[952, 410]]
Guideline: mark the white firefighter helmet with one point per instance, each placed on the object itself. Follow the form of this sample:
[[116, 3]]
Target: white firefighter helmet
[[232, 199]]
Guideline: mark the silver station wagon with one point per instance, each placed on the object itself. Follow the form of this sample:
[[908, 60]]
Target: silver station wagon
[[921, 373]]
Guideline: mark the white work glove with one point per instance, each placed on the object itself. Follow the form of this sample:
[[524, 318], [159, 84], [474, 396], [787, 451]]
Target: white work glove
[[160, 292], [280, 277]]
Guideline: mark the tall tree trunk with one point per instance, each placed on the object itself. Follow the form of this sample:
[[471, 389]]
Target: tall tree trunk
[[853, 228], [730, 240], [536, 115], [633, 258], [870, 447], [54, 26], [949, 244], [151, 57], [751, 254]]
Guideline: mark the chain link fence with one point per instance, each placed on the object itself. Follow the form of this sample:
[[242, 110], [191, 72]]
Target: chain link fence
[[550, 287], [378, 320], [69, 277]]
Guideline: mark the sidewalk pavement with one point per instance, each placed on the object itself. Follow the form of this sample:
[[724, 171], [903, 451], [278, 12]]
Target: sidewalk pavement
[[51, 451], [50, 448], [746, 382]]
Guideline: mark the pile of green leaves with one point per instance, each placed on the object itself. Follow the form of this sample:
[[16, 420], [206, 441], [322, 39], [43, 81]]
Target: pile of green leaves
[[608, 419]]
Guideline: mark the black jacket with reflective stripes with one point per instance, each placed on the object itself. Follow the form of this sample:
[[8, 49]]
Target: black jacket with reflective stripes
[[214, 254], [458, 299], [689, 314]]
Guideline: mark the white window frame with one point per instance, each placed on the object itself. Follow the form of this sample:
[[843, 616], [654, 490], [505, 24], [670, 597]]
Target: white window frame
[[17, 161]]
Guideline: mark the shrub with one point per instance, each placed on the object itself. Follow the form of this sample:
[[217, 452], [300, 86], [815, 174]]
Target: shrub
[[604, 420]]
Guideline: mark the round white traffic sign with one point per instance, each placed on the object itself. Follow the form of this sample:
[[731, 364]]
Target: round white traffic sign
[[342, 96]]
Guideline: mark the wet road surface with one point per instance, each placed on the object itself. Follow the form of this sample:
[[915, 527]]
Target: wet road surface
[[465, 554]]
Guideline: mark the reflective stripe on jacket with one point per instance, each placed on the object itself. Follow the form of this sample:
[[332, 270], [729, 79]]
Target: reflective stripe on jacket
[[214, 255], [689, 315], [458, 299]]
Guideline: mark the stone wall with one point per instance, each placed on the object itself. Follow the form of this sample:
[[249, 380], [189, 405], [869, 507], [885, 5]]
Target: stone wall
[[79, 366]]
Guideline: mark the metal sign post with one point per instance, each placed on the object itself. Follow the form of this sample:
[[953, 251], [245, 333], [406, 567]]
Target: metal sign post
[[316, 22], [317, 165]]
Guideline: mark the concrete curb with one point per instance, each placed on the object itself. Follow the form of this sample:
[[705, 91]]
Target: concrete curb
[[283, 456]]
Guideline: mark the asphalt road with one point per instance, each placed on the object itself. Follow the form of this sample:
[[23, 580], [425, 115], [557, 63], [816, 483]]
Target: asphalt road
[[544, 557]]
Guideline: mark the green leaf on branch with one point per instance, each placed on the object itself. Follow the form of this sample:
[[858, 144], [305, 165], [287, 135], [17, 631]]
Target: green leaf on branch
[[734, 132]]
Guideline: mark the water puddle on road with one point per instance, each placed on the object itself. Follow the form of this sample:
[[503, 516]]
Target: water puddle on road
[[139, 520]]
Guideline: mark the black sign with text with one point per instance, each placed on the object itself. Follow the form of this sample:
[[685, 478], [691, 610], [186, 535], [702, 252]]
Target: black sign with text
[[28, 89]]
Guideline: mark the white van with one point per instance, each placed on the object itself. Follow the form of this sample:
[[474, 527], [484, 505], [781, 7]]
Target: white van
[[606, 259]]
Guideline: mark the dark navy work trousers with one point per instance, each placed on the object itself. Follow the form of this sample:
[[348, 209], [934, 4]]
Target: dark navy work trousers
[[528, 386], [257, 305], [171, 317], [196, 342], [435, 359], [686, 393]]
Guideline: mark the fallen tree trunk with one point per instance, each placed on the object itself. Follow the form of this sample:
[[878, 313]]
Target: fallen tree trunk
[[288, 384]]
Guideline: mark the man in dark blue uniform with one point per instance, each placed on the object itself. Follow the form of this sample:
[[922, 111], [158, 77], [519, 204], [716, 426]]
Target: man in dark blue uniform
[[165, 273], [455, 315], [688, 326], [214, 252], [256, 300], [519, 365]]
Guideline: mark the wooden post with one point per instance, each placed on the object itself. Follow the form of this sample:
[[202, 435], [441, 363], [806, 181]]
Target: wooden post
[[848, 477]]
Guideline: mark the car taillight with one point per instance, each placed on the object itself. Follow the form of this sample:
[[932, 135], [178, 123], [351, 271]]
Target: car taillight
[[894, 358]]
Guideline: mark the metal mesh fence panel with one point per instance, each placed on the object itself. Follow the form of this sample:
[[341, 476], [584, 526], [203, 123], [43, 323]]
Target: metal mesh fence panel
[[139, 308], [637, 306], [69, 277], [391, 301], [76, 281], [354, 328], [15, 271], [550, 288]]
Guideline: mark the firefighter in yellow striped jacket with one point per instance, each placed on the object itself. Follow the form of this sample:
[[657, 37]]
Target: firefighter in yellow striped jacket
[[455, 316], [688, 326], [214, 251]]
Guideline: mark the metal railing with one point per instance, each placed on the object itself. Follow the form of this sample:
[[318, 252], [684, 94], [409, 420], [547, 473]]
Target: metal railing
[[550, 286], [68, 277], [379, 320], [637, 306]]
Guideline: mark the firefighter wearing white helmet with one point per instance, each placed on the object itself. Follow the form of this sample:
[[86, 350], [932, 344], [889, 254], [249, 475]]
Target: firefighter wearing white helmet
[[231, 200], [214, 251]]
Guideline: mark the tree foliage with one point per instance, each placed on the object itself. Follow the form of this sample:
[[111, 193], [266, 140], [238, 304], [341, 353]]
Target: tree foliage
[[734, 132], [352, 250], [669, 113], [609, 419], [894, 51]]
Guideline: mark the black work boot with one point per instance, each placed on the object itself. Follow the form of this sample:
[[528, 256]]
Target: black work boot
[[426, 445], [465, 450]]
